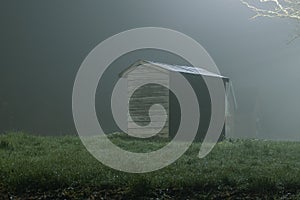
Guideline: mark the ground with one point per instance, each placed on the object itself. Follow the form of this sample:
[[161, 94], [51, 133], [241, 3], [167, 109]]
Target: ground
[[59, 167]]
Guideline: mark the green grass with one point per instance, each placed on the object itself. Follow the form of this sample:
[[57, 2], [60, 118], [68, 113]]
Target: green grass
[[240, 167]]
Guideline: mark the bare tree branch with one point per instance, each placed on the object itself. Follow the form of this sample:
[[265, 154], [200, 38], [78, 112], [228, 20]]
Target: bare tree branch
[[279, 8], [289, 9]]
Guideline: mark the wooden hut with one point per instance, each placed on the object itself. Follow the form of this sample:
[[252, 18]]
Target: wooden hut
[[142, 97]]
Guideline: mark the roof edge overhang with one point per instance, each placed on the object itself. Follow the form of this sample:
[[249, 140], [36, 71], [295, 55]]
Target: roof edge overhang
[[154, 64]]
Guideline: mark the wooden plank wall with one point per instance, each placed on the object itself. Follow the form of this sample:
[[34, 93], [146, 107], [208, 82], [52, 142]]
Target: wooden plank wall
[[142, 99]]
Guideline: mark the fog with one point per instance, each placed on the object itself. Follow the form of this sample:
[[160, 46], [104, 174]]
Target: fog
[[43, 44]]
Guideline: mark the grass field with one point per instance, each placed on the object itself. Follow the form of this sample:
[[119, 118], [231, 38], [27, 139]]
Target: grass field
[[59, 167]]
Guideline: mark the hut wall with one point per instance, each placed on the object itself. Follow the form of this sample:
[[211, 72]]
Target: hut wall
[[141, 98], [199, 86], [203, 98]]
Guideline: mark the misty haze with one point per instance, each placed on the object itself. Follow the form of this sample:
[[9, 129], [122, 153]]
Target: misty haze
[[44, 44]]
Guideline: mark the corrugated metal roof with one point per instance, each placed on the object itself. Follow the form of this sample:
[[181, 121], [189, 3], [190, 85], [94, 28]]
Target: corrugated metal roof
[[174, 68], [185, 69]]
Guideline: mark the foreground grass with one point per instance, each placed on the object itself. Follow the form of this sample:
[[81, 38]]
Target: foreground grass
[[234, 168]]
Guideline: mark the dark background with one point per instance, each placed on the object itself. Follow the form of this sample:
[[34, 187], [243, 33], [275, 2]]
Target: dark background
[[43, 44]]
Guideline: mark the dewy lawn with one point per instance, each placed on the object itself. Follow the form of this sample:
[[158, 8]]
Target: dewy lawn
[[60, 167]]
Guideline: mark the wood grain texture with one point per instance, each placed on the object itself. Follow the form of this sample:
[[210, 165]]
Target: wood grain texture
[[144, 97]]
